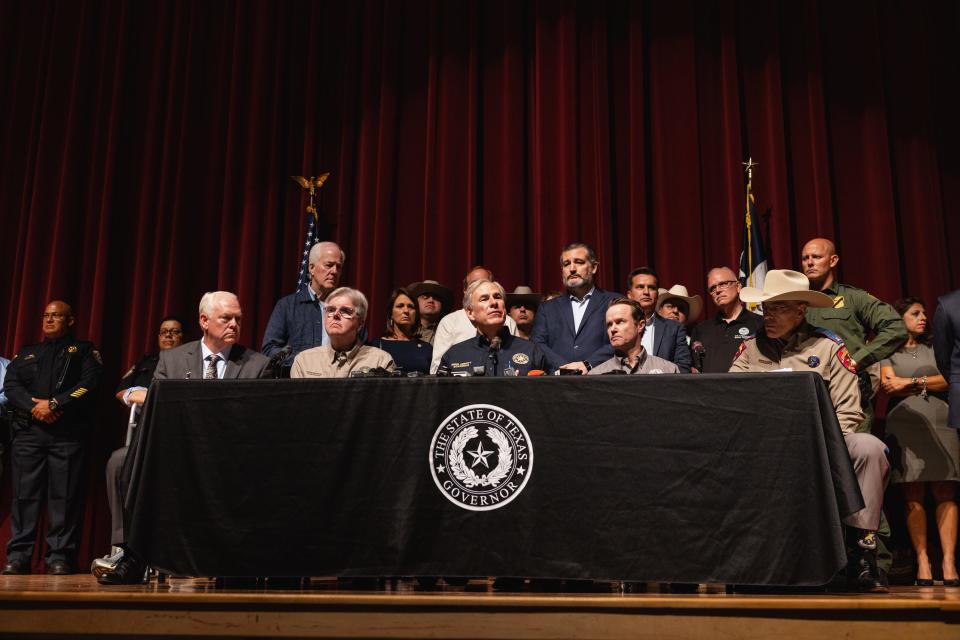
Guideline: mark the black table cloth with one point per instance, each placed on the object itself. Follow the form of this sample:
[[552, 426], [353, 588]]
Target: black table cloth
[[711, 478]]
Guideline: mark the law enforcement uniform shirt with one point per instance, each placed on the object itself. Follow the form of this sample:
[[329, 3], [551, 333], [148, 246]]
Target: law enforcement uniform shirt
[[856, 314], [809, 349], [65, 369], [516, 357], [140, 374], [721, 339]]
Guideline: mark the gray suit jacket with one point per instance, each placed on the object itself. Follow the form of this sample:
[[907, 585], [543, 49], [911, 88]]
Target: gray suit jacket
[[185, 361]]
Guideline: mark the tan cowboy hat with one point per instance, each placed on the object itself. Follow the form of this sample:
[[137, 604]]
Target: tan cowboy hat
[[679, 291], [444, 294], [784, 284], [524, 295]]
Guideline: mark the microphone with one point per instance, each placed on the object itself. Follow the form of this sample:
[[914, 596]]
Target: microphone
[[276, 361], [281, 355], [494, 353], [699, 352]]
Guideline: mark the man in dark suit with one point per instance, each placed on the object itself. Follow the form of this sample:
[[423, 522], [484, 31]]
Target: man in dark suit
[[946, 347], [216, 356], [662, 337], [571, 329]]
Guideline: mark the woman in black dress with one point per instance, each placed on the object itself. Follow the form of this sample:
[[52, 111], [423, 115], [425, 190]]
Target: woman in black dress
[[401, 339]]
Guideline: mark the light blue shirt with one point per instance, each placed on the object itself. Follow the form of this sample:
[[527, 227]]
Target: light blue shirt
[[579, 308], [324, 338], [647, 339], [221, 363], [3, 374]]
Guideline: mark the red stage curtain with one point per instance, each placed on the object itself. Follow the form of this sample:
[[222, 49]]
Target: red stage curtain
[[145, 150]]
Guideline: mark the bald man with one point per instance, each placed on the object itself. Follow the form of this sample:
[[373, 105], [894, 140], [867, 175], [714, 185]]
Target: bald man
[[50, 387], [717, 339], [855, 315]]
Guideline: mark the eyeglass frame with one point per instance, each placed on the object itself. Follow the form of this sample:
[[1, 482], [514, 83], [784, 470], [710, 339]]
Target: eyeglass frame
[[726, 284]]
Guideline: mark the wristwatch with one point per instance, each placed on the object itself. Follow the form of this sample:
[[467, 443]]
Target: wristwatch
[[53, 404]]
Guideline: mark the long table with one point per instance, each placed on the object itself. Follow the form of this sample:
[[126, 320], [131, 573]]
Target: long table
[[738, 479]]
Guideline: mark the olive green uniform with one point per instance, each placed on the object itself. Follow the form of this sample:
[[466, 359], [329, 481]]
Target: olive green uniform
[[855, 315]]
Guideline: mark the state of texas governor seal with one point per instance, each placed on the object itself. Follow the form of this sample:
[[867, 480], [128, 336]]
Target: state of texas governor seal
[[481, 457]]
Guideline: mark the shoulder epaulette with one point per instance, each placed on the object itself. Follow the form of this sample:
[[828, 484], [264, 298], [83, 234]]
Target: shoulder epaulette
[[826, 333]]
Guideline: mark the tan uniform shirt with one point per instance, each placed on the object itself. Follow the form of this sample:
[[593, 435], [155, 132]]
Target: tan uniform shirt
[[810, 349], [325, 362], [645, 364]]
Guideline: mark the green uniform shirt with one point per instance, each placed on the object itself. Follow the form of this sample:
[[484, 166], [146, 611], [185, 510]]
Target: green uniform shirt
[[855, 314]]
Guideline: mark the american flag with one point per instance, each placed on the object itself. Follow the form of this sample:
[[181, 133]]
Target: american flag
[[303, 280]]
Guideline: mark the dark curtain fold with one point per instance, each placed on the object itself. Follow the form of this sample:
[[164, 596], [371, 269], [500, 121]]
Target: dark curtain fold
[[146, 149]]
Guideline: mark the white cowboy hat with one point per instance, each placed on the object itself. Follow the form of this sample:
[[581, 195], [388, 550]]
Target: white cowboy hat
[[784, 284], [679, 291]]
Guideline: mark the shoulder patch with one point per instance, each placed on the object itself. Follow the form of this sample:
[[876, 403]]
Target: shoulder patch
[[844, 357], [826, 333], [740, 349]]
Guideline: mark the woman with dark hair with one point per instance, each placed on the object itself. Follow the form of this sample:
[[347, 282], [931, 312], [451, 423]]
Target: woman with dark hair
[[402, 337], [926, 451]]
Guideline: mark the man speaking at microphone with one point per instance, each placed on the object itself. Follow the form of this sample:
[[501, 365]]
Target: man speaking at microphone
[[493, 351]]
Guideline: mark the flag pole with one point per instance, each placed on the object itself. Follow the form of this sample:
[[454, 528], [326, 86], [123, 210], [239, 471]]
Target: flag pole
[[750, 164]]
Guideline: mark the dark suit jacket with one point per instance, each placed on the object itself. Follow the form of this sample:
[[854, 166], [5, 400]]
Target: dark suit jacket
[[670, 342], [187, 359], [946, 348], [553, 330]]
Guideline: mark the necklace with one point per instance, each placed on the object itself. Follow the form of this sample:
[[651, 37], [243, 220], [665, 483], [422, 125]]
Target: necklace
[[913, 354]]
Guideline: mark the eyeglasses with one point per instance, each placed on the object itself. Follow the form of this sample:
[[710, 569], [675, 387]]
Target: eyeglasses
[[345, 312], [55, 315], [726, 284], [170, 332]]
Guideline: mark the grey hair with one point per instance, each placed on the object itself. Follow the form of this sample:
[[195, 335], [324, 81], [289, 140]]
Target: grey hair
[[211, 298], [356, 297], [472, 289], [318, 247]]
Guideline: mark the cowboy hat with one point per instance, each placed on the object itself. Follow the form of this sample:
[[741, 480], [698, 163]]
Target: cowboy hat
[[678, 291], [784, 284], [524, 295], [434, 288]]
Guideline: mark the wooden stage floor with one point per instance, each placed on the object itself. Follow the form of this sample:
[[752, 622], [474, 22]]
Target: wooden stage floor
[[76, 606]]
